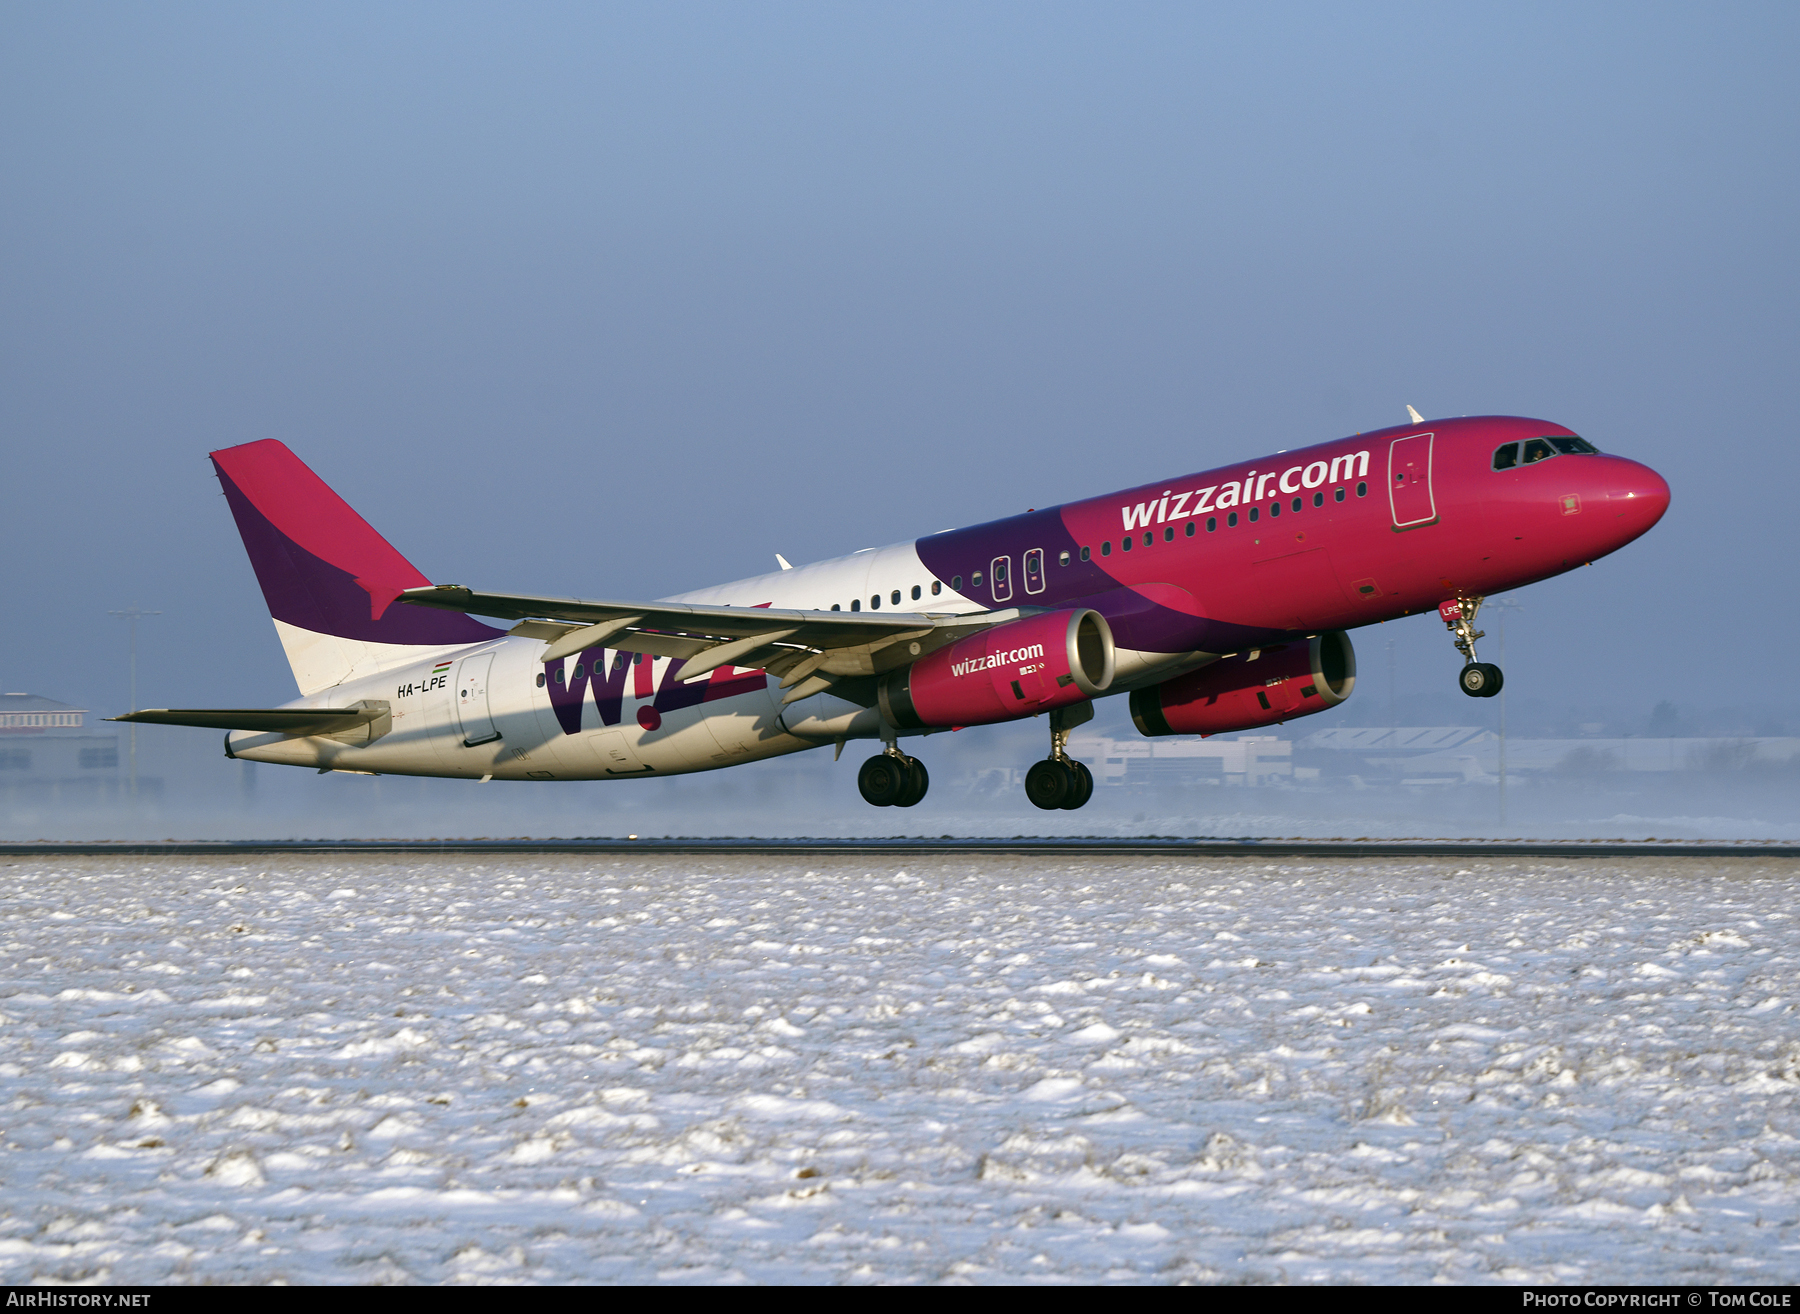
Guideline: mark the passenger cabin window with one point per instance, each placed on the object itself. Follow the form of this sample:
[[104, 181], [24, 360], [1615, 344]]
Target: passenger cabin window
[[1127, 543], [937, 587], [855, 604], [1190, 529], [874, 602], [894, 597], [1062, 559], [1087, 554], [835, 607]]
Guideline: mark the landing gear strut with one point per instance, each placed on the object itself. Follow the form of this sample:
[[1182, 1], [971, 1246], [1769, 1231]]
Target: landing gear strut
[[893, 780], [1059, 781], [1478, 679]]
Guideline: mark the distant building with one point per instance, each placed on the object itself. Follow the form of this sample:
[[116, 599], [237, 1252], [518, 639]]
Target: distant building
[[1448, 755], [27, 714], [48, 756], [1408, 756], [1246, 760]]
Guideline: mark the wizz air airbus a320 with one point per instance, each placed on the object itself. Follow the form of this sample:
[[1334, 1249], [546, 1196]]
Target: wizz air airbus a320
[[1218, 601]]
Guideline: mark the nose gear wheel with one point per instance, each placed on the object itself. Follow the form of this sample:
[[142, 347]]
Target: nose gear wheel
[[1477, 678]]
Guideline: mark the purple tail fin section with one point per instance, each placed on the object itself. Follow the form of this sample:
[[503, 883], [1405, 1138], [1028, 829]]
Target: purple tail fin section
[[321, 566]]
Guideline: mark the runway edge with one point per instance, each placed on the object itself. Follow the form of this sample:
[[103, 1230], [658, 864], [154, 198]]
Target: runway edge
[[1021, 846]]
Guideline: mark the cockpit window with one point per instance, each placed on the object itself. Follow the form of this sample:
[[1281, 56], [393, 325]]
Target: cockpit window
[[1508, 455]]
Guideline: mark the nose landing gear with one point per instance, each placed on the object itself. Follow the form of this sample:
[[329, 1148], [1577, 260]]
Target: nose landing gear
[[1059, 781], [893, 780], [1478, 679]]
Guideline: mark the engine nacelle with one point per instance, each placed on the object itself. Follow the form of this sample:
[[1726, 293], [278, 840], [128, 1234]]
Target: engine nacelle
[[1251, 689], [1013, 670]]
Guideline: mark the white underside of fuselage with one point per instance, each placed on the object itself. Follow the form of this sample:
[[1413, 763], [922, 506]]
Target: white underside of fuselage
[[478, 711]]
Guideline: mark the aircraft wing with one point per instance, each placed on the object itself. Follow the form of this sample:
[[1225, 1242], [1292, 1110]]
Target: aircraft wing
[[286, 720], [808, 647]]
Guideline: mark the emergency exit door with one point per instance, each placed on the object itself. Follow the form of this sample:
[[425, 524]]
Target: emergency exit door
[[1409, 481]]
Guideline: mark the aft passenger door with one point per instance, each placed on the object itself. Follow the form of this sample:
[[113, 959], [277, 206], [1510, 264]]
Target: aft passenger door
[[1409, 481], [472, 711]]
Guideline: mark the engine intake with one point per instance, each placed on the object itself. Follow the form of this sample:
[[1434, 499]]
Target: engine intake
[[1251, 689], [1013, 670]]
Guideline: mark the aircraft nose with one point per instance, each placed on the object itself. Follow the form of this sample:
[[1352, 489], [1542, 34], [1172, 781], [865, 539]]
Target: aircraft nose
[[1636, 497], [1638, 490]]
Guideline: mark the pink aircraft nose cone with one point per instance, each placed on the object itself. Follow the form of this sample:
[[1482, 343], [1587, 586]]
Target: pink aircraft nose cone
[[1636, 497], [1641, 491]]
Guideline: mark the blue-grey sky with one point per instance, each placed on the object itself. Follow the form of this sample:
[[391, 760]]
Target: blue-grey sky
[[621, 300]]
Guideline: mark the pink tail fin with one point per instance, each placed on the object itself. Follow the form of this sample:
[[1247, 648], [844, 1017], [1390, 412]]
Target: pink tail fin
[[322, 567]]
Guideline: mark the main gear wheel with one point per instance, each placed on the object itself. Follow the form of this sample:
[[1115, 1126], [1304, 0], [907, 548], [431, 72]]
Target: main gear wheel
[[1059, 782], [893, 780]]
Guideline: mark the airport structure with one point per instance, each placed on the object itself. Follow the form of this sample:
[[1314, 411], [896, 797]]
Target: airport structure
[[1411, 756], [47, 755]]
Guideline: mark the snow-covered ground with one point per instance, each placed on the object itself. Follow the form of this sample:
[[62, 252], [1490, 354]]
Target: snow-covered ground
[[348, 1070]]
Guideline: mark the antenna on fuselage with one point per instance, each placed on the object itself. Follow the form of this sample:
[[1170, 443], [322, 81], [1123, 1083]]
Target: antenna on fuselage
[[1414, 416]]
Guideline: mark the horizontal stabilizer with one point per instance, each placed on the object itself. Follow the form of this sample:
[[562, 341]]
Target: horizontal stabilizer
[[282, 720]]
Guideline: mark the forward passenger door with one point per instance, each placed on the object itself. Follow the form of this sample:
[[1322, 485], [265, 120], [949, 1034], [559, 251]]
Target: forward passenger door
[[1409, 482]]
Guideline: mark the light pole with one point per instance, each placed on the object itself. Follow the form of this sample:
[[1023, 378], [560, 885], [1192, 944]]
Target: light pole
[[132, 614], [1392, 693], [1503, 607]]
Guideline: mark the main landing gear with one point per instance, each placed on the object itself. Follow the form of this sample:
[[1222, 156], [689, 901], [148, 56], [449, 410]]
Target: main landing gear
[[893, 780], [1478, 679], [1059, 781]]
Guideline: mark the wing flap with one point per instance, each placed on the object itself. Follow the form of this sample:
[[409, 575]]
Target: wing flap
[[814, 629], [852, 640]]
